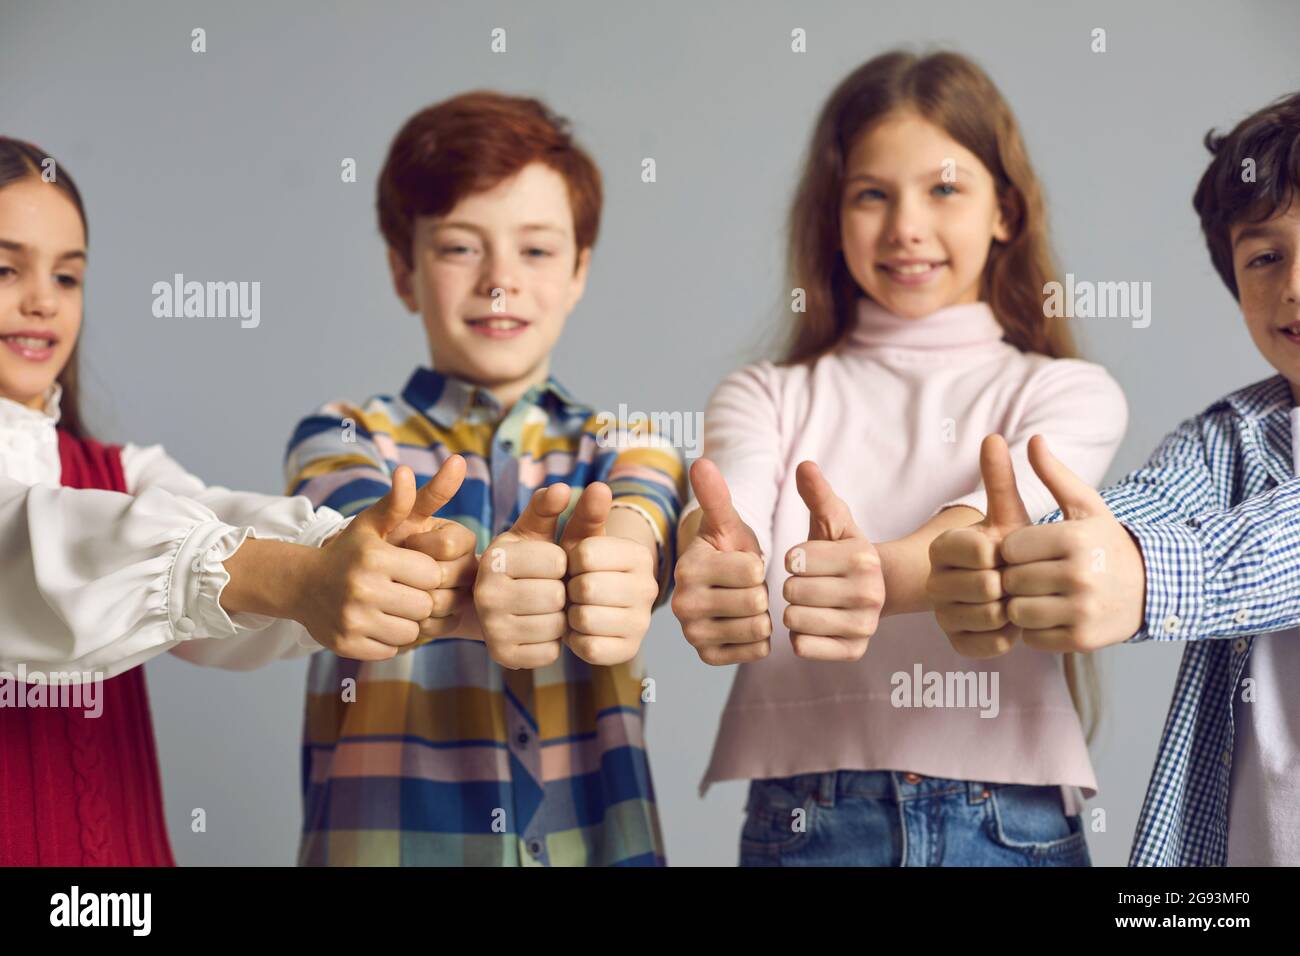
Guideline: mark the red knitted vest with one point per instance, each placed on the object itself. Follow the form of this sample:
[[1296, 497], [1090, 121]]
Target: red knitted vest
[[78, 790]]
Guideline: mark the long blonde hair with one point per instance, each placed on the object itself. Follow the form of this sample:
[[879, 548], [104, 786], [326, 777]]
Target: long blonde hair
[[956, 95]]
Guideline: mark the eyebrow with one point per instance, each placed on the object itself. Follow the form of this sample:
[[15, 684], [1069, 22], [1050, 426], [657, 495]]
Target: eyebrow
[[1254, 232], [20, 247], [936, 172]]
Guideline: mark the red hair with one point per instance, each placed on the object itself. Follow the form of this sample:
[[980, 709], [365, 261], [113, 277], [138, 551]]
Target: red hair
[[468, 144]]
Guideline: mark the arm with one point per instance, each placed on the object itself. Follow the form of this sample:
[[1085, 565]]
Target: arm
[[905, 562], [742, 437], [1081, 411], [648, 481], [1223, 574], [97, 581]]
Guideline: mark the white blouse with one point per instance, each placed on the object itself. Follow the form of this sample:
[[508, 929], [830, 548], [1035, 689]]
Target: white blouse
[[98, 582]]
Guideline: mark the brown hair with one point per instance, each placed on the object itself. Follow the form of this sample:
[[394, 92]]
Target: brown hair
[[955, 94], [470, 143], [1269, 140], [20, 160]]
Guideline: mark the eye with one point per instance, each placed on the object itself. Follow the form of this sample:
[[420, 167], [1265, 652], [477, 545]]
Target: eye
[[536, 252], [69, 282], [945, 189], [455, 249], [6, 270], [1259, 261], [869, 193]]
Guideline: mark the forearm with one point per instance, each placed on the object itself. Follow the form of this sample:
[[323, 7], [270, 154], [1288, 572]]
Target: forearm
[[905, 562], [267, 577]]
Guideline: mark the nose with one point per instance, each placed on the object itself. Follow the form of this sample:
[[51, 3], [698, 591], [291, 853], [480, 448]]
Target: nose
[[1291, 291], [907, 222], [40, 297], [499, 279]]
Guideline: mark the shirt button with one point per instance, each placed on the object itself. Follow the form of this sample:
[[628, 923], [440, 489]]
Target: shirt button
[[522, 738], [1242, 616], [535, 848], [1227, 758], [1239, 645], [1171, 623], [185, 626], [912, 778], [197, 565]]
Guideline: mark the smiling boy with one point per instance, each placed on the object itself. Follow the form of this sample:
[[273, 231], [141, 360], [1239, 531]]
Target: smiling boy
[[514, 735], [1202, 544]]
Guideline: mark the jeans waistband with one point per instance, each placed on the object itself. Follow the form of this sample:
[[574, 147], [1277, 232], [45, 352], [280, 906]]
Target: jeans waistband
[[883, 784]]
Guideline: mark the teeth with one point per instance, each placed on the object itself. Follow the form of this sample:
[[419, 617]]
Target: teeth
[[503, 324], [912, 270], [28, 342]]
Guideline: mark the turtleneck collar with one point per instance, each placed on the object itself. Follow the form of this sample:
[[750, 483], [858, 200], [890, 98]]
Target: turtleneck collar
[[949, 328]]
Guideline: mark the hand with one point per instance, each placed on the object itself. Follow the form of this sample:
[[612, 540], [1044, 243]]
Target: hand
[[721, 590], [450, 544], [1077, 584], [361, 596], [519, 592], [965, 583], [611, 583], [836, 588]]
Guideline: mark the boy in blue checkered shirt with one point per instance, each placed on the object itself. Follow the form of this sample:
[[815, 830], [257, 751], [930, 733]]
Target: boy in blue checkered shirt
[[1201, 544]]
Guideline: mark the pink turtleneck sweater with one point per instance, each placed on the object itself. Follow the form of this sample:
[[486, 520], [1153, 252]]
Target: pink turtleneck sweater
[[895, 416]]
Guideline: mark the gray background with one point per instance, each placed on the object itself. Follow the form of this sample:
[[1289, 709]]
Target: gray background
[[225, 166]]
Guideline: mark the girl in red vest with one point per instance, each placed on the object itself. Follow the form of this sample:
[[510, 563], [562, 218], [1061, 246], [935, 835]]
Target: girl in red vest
[[111, 555]]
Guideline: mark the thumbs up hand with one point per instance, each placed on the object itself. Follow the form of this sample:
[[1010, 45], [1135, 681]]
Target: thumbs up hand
[[611, 583], [1078, 584], [519, 592], [365, 596], [965, 582], [836, 587], [721, 591], [451, 545]]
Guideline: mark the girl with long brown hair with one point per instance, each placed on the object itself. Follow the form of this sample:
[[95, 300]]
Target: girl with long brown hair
[[918, 259]]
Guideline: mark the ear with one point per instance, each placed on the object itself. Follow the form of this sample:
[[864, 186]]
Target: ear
[[402, 280], [1003, 215], [578, 284]]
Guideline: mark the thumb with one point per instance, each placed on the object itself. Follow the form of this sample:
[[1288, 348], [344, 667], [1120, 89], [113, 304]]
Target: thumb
[[539, 519], [441, 488], [1006, 509], [1077, 498], [829, 518], [589, 514], [720, 523], [388, 512]]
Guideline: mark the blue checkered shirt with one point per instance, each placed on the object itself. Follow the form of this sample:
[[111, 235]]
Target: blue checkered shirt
[[1216, 511]]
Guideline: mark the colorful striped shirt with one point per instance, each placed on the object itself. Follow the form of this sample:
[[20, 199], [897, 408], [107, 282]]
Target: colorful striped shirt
[[1216, 512], [440, 756]]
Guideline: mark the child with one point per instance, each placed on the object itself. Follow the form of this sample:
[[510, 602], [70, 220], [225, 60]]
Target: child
[[918, 237], [520, 742], [132, 556], [1201, 544]]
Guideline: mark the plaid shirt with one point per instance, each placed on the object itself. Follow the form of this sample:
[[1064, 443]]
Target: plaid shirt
[[440, 756], [1217, 513]]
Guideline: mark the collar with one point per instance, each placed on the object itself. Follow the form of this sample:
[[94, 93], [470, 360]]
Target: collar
[[445, 399], [14, 415], [947, 329], [1267, 409]]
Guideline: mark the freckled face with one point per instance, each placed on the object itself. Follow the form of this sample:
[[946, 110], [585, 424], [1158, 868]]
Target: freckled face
[[1266, 262]]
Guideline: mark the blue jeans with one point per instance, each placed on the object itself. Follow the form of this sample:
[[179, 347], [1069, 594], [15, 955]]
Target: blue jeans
[[884, 818]]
